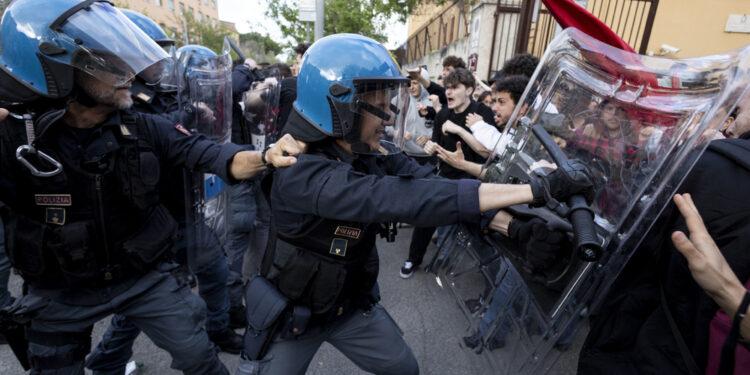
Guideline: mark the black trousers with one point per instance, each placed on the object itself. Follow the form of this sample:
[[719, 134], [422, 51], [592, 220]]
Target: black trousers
[[420, 239]]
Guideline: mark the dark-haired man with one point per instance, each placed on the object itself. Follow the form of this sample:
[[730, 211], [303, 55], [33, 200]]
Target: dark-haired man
[[459, 85], [300, 51], [450, 63]]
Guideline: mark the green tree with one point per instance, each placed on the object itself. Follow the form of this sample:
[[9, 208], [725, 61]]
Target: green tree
[[364, 17], [202, 33], [260, 47]]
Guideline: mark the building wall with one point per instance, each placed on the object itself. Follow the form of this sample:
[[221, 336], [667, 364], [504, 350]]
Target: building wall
[[167, 12], [478, 41], [423, 13], [697, 26]]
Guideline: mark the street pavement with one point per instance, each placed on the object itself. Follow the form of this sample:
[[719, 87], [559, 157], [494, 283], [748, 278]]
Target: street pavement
[[431, 320]]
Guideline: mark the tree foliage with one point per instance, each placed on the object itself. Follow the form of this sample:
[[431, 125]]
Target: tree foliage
[[260, 47], [202, 33], [366, 17]]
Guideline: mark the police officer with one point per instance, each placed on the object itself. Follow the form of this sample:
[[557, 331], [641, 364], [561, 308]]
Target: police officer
[[111, 355], [80, 174], [326, 208]]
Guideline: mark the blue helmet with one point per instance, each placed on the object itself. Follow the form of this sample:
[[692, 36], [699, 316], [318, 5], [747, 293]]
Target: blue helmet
[[151, 28], [339, 77], [42, 44], [193, 55]]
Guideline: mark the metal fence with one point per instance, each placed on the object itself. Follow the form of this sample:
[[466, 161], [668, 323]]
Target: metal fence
[[632, 20], [448, 26], [525, 26]]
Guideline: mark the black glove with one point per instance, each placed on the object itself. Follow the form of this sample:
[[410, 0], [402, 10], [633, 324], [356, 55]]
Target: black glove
[[571, 177], [543, 246]]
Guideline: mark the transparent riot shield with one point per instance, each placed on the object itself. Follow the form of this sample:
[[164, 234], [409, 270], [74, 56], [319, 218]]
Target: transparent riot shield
[[261, 109], [639, 123], [207, 107]]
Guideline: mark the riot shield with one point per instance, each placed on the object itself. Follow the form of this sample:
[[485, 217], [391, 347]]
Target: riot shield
[[261, 109], [207, 109], [639, 123]]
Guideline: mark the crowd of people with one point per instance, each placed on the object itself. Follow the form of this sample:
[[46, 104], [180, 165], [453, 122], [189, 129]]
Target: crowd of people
[[110, 148]]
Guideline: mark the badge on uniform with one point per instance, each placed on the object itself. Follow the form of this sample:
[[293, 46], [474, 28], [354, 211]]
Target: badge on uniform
[[143, 97], [338, 247], [124, 130], [55, 215], [348, 232], [53, 199]]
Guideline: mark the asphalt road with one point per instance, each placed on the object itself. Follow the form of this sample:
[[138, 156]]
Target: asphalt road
[[429, 316]]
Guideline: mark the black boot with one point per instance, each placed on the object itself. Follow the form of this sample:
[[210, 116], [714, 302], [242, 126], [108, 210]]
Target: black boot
[[237, 317], [473, 341], [227, 340]]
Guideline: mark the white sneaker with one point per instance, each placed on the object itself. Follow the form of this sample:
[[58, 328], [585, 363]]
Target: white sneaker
[[407, 270]]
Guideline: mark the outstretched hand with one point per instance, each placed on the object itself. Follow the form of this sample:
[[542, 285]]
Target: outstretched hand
[[3, 114], [705, 261], [454, 158]]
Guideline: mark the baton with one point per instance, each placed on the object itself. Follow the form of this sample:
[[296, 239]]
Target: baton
[[584, 231], [235, 48]]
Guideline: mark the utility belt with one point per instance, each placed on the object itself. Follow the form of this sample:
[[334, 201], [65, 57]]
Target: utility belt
[[269, 312], [311, 279], [67, 256]]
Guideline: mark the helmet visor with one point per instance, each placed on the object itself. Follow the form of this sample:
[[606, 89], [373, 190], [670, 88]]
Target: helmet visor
[[110, 47], [380, 107], [164, 75]]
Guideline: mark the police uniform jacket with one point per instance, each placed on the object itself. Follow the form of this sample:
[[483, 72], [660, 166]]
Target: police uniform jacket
[[98, 223], [324, 208]]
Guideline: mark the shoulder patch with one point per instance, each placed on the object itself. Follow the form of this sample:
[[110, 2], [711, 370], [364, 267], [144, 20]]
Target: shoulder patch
[[182, 129], [143, 97]]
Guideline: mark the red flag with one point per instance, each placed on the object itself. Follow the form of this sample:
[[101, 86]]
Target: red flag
[[569, 14]]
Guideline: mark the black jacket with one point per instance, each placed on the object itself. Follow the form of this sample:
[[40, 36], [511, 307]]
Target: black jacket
[[630, 334]]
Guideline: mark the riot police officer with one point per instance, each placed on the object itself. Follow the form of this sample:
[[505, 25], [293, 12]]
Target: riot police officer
[[80, 173], [326, 208], [112, 353]]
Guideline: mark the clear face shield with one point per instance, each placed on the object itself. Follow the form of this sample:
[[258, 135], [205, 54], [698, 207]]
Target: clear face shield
[[113, 54], [639, 125], [208, 100], [379, 110], [165, 75], [261, 109]]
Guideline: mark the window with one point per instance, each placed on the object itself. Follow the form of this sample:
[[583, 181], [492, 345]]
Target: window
[[182, 8], [191, 11], [205, 2], [171, 5], [208, 20], [213, 22], [200, 16], [213, 4], [158, 2]]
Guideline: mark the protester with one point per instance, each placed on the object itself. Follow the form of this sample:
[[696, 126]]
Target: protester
[[459, 87]]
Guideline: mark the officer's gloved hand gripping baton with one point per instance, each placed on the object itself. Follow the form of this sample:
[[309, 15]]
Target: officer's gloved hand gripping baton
[[580, 215]]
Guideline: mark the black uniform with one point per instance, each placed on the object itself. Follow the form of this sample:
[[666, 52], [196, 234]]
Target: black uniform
[[88, 226], [325, 207]]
